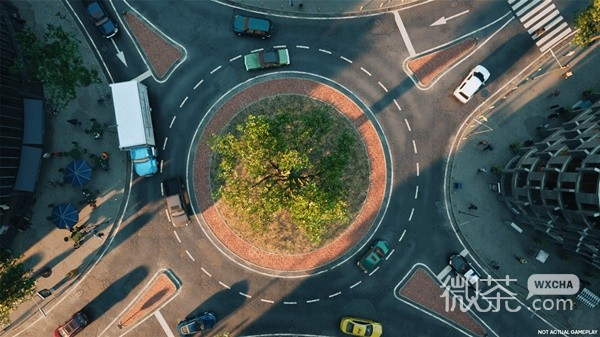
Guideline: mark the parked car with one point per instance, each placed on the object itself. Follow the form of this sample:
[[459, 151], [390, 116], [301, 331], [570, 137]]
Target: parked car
[[464, 269], [174, 192], [102, 20], [475, 80], [197, 325], [73, 326], [369, 260], [360, 327], [247, 25], [267, 59]]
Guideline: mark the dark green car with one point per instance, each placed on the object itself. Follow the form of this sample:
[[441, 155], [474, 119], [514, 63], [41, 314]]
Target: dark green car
[[373, 256]]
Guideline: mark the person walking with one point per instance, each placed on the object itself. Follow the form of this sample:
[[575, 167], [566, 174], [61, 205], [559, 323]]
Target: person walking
[[74, 121], [488, 147], [472, 207], [97, 234]]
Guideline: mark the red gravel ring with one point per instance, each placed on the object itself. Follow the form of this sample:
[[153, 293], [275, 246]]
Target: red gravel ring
[[361, 224]]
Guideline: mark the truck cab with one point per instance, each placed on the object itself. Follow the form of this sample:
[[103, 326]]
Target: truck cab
[[144, 160]]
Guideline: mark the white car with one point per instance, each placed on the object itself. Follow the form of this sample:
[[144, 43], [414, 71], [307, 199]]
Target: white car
[[472, 83]]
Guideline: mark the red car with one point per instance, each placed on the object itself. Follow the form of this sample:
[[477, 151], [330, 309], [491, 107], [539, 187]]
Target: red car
[[73, 326]]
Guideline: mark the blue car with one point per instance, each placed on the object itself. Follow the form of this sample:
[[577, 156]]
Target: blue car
[[246, 25], [197, 324], [101, 19]]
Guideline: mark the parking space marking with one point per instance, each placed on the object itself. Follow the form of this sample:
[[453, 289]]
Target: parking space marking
[[163, 323]]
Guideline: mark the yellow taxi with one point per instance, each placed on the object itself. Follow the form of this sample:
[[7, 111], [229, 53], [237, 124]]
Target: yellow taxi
[[360, 327]]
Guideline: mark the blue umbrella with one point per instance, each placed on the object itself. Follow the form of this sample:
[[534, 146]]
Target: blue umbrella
[[78, 173], [65, 215]]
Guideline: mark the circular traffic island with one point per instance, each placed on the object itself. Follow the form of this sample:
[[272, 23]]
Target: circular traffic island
[[289, 174]]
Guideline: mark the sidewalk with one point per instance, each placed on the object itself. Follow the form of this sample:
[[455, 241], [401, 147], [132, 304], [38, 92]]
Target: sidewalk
[[319, 8], [43, 245], [487, 228]]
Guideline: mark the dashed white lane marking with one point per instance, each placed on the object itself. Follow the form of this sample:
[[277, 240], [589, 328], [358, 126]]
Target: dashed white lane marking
[[256, 50], [161, 165], [290, 302], [404, 34], [313, 301], [165, 143], [266, 301], [374, 270], [407, 125], [417, 192], [224, 285], [414, 145], [235, 58], [172, 121], [303, 47], [382, 86], [198, 84], [336, 294], [397, 105], [177, 236], [279, 46], [365, 70], [143, 76], [325, 51], [443, 273], [412, 211], [183, 102], [418, 169], [402, 236], [390, 254], [163, 323], [346, 59], [214, 70], [190, 255], [355, 284], [244, 294], [205, 272]]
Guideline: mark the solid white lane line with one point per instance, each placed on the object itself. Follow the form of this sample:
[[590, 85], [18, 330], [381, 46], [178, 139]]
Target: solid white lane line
[[325, 51], [404, 34], [224, 285], [412, 211], [197, 84], [235, 58], [407, 125], [355, 284], [190, 255], [365, 70], [183, 102], [205, 272], [163, 323], [346, 59], [382, 86], [177, 236], [172, 121]]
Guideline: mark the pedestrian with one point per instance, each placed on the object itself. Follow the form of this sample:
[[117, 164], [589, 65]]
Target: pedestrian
[[522, 260], [472, 207], [97, 234], [554, 93], [74, 121], [567, 74], [488, 147], [93, 204], [481, 169], [554, 115], [483, 142], [301, 6], [553, 106]]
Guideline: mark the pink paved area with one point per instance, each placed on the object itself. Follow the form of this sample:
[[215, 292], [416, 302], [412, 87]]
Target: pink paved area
[[351, 236]]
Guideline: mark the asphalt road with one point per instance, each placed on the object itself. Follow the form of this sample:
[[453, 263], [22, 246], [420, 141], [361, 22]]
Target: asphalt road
[[365, 55]]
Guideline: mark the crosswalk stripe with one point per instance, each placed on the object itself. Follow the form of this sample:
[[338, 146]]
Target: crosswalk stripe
[[555, 40], [524, 9], [549, 26], [535, 10], [519, 4], [546, 37], [536, 19], [542, 21]]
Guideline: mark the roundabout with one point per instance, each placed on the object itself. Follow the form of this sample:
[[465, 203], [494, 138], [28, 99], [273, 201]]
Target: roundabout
[[364, 224]]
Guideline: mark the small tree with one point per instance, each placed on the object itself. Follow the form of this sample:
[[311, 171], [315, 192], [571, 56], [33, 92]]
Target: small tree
[[56, 62], [16, 286], [588, 24]]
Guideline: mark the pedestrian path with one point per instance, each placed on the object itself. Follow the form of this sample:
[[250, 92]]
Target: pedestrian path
[[542, 20]]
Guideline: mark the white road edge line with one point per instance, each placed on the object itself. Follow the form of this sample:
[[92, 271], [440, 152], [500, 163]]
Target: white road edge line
[[205, 272], [404, 33], [190, 255], [177, 236], [163, 323]]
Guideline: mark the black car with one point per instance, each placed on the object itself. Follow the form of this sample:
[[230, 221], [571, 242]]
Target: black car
[[247, 25], [101, 19], [197, 324], [464, 269]]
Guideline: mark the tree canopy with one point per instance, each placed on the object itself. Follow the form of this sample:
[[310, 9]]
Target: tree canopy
[[588, 24], [16, 286], [287, 164], [56, 62]]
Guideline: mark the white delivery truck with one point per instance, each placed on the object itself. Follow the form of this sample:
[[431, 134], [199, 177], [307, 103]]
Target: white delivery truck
[[134, 125]]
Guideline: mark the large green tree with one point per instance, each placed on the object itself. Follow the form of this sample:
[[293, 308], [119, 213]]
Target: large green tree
[[286, 164], [16, 286], [588, 25], [55, 61]]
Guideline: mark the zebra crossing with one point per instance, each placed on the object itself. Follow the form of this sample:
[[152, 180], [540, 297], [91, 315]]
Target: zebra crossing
[[542, 20]]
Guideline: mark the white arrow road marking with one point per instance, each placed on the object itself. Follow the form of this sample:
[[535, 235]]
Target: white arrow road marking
[[120, 53], [444, 20]]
